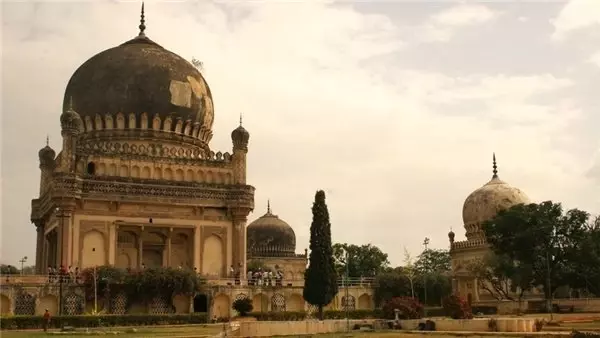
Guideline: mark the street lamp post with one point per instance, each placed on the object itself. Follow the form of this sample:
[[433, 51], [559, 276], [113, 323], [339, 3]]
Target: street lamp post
[[346, 291], [23, 260], [550, 294], [425, 243]]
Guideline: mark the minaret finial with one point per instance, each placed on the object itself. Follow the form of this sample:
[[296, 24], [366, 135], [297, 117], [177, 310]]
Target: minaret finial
[[70, 103], [268, 206], [142, 25], [240, 119], [495, 171], [47, 140]]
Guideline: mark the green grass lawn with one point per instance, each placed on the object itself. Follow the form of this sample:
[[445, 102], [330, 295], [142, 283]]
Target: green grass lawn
[[155, 332]]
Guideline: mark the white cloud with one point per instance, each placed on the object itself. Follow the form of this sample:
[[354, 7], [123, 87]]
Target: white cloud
[[464, 15], [396, 148], [595, 58], [576, 15], [442, 26]]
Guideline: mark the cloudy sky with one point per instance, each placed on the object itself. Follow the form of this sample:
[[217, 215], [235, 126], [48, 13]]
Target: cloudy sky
[[392, 107]]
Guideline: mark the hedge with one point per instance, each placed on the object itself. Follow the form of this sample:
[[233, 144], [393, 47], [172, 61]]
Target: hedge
[[35, 322]]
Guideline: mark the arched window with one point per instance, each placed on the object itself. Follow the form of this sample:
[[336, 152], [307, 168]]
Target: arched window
[[91, 168]]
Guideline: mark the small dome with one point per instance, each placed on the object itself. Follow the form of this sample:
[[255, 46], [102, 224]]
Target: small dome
[[46, 155], [240, 137], [269, 236], [451, 235], [70, 120], [485, 202]]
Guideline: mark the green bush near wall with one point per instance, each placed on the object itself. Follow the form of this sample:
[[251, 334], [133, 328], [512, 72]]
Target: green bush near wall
[[36, 322]]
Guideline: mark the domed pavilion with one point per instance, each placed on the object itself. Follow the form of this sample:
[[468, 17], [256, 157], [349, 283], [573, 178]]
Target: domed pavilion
[[272, 241], [481, 205], [136, 183]]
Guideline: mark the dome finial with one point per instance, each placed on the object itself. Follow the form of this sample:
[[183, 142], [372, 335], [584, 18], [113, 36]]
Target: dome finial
[[142, 25], [268, 206], [495, 171], [47, 140], [240, 119]]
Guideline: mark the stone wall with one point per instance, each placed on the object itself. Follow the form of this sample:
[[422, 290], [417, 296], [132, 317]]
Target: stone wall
[[512, 307], [309, 327], [476, 325], [270, 329]]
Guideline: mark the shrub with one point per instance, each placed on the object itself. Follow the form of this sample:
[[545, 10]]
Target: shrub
[[141, 285], [242, 306], [35, 322], [456, 307], [539, 324], [409, 308], [493, 325]]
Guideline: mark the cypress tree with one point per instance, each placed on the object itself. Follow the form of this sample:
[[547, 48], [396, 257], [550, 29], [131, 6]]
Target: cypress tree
[[320, 278]]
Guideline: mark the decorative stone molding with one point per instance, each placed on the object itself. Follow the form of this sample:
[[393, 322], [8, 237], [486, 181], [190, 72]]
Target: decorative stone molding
[[207, 195]]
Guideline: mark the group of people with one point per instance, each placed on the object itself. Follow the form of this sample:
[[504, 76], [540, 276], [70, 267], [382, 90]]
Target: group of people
[[63, 274], [265, 277]]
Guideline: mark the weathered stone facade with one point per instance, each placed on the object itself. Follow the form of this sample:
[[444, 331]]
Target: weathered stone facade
[[480, 206], [136, 184]]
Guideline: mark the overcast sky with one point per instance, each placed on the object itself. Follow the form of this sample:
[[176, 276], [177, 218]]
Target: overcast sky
[[392, 107]]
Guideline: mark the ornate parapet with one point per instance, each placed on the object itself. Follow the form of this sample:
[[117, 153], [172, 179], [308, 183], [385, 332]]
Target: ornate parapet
[[66, 187], [157, 152], [469, 244], [122, 126], [206, 195]]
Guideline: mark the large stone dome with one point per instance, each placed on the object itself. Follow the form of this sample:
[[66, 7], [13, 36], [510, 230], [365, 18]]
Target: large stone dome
[[137, 77], [485, 202], [270, 236]]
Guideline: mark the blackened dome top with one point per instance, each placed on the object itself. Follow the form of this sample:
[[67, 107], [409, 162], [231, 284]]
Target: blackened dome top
[[140, 76], [269, 236]]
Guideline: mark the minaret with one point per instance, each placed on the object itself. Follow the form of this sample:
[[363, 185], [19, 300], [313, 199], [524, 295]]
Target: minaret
[[71, 125], [46, 156], [239, 137]]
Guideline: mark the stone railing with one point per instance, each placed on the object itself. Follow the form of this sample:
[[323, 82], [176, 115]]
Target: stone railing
[[469, 244], [366, 282]]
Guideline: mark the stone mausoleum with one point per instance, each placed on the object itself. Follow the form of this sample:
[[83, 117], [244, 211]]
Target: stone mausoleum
[[136, 185], [481, 205]]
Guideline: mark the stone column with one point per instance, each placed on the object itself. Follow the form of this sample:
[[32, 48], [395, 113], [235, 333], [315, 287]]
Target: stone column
[[197, 254], [476, 290], [238, 241], [39, 248], [140, 249], [44, 260], [169, 238], [112, 243], [64, 214]]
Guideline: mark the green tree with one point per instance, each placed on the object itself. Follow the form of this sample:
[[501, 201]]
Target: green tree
[[8, 270], [410, 271], [542, 237], [439, 285], [320, 278], [585, 272], [391, 284], [432, 260], [502, 277], [365, 260]]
